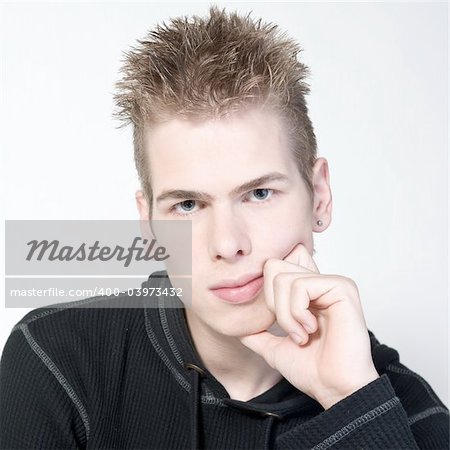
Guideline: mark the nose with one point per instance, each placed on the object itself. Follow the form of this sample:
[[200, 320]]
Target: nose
[[228, 236]]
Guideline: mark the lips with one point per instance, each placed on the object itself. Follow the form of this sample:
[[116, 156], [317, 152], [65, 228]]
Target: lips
[[241, 290], [241, 281]]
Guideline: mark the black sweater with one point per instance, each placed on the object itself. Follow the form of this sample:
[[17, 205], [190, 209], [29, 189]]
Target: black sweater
[[122, 373]]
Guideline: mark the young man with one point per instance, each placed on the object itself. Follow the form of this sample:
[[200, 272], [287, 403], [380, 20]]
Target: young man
[[267, 352]]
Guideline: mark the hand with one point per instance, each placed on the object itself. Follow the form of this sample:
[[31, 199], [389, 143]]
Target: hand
[[326, 353]]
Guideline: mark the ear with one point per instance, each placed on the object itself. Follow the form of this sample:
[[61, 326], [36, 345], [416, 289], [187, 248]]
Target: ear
[[142, 205], [323, 202], [144, 217]]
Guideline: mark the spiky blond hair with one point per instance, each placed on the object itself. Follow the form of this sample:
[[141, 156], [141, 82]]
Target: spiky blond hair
[[199, 68]]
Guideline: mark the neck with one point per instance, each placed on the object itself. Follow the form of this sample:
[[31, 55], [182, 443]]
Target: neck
[[243, 373]]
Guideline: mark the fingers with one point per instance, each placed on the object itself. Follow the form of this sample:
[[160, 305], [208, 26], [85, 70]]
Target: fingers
[[292, 283], [292, 313], [272, 268], [295, 293], [295, 317], [290, 263]]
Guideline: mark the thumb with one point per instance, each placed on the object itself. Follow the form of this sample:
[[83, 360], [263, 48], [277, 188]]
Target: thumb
[[264, 344]]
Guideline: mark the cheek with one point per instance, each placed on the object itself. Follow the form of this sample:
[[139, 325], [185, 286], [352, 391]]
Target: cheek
[[198, 255], [282, 236]]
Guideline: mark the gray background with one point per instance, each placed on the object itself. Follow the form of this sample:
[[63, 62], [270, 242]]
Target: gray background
[[378, 103]]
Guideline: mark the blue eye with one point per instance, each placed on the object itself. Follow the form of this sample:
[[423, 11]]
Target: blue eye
[[185, 206], [262, 194]]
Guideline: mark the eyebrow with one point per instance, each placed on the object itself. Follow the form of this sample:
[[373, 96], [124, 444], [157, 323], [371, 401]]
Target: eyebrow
[[205, 197]]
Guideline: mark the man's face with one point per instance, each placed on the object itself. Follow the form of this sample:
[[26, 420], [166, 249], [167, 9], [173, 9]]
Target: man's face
[[237, 225]]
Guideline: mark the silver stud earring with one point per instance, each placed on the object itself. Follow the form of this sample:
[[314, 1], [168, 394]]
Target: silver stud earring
[[319, 222]]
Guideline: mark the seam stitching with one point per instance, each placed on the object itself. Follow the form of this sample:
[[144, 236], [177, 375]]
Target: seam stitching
[[51, 366], [151, 334], [406, 371], [165, 326], [362, 420], [178, 376], [426, 413], [63, 307]]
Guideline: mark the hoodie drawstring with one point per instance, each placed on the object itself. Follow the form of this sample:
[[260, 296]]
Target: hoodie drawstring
[[196, 373], [270, 423]]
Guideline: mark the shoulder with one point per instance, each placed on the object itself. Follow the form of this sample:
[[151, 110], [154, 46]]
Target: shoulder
[[417, 396], [100, 325], [71, 333], [81, 315]]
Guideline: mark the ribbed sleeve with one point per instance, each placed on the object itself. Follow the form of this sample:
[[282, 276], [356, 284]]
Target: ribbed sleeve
[[371, 418]]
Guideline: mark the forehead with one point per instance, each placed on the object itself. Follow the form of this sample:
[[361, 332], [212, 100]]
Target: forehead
[[225, 151]]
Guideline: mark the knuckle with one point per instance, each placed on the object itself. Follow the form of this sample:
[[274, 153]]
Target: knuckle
[[350, 284], [270, 263], [347, 286], [298, 285]]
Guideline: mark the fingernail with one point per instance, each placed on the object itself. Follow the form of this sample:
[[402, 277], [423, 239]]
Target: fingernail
[[296, 338]]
